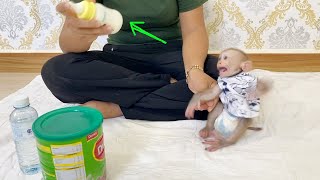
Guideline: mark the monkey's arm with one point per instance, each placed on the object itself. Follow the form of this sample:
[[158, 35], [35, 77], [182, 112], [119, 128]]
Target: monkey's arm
[[207, 95], [200, 98]]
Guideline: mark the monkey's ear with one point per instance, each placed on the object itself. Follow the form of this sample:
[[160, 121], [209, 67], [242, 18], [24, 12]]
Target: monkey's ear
[[246, 66]]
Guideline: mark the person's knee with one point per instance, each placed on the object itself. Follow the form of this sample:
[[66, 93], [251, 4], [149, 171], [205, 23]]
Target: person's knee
[[51, 75], [55, 66], [59, 81], [210, 66]]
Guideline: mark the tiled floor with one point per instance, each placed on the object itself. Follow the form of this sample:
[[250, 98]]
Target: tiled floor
[[11, 82]]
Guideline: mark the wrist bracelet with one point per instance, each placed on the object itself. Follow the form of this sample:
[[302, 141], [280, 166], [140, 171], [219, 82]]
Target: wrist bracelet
[[193, 67]]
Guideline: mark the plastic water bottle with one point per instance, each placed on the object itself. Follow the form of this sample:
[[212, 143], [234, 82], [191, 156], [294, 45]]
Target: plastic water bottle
[[21, 120]]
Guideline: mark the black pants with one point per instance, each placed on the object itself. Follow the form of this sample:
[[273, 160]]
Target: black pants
[[136, 77]]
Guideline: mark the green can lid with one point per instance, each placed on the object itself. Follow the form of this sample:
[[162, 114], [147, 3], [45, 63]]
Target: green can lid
[[67, 123]]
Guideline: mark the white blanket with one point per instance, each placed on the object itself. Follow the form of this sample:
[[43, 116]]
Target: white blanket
[[287, 148]]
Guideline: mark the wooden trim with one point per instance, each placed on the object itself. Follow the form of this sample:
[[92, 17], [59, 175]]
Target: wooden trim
[[32, 62], [287, 62], [23, 62]]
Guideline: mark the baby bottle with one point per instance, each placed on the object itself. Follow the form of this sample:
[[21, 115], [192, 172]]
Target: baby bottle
[[89, 10]]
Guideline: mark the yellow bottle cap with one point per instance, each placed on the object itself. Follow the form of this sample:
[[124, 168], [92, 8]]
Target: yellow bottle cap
[[89, 10]]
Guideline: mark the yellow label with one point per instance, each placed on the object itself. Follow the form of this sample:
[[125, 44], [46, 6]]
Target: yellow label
[[52, 175], [43, 148]]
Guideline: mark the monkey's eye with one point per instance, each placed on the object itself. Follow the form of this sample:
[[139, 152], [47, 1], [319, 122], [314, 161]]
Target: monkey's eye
[[225, 57], [219, 58]]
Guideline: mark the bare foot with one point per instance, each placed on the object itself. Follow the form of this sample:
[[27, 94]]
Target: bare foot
[[108, 110], [205, 132]]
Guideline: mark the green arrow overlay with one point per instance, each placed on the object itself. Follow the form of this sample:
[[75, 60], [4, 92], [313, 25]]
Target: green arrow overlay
[[134, 28]]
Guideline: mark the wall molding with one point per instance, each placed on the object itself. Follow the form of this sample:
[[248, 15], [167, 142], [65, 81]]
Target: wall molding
[[32, 62]]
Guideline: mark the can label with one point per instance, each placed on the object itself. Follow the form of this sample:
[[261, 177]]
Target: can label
[[81, 159], [92, 135], [68, 161], [98, 152], [66, 149]]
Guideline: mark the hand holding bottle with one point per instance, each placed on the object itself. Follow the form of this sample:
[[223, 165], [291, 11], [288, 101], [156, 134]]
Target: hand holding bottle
[[90, 28]]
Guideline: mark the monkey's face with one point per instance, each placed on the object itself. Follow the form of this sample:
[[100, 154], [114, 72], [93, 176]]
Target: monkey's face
[[229, 63]]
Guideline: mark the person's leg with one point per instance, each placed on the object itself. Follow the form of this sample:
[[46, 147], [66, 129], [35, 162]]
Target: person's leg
[[124, 79], [170, 101], [107, 109], [95, 75]]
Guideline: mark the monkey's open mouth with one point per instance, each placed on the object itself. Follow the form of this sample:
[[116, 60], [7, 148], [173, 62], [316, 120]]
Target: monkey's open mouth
[[222, 69]]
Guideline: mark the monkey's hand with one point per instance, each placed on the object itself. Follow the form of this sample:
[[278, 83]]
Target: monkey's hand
[[215, 141], [203, 101]]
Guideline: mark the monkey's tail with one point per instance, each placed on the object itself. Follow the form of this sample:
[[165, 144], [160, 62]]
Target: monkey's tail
[[263, 86]]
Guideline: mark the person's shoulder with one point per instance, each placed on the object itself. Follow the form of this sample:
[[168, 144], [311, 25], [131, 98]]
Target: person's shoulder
[[187, 5]]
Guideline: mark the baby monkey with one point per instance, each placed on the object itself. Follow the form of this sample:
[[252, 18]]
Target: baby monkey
[[239, 93]]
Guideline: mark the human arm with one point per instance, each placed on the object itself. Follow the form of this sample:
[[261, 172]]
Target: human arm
[[195, 48], [77, 35]]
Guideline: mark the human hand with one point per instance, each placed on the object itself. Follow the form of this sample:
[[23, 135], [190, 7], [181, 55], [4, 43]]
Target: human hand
[[89, 29], [215, 141]]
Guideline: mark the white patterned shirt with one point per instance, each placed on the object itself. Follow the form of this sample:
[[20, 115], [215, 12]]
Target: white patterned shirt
[[239, 95]]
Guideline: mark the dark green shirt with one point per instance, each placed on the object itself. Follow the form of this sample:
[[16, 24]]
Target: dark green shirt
[[161, 18]]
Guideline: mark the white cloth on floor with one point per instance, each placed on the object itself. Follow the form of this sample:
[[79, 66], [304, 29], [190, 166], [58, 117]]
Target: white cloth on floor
[[286, 149]]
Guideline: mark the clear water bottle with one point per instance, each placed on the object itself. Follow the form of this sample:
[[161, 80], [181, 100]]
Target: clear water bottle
[[21, 120]]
